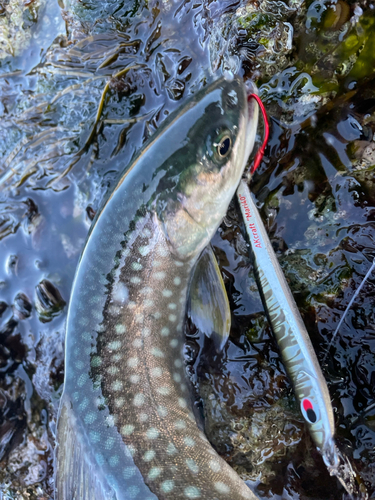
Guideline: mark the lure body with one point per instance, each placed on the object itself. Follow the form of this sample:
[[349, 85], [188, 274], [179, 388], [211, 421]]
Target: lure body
[[126, 429], [295, 345]]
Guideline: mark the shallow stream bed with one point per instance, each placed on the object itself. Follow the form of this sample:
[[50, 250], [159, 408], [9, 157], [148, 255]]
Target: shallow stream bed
[[314, 64]]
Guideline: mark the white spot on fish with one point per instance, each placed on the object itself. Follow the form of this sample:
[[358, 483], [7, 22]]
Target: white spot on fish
[[134, 379], [183, 387], [113, 310], [144, 250], [157, 352], [180, 425], [172, 306], [117, 385], [119, 402], [96, 361], [192, 492], [177, 377], [193, 466], [177, 363], [221, 487], [135, 280], [139, 399], [113, 346], [99, 458], [132, 492], [164, 390], [163, 251], [157, 315], [167, 293], [131, 450], [116, 358], [162, 411], [154, 473], [152, 433], [120, 329], [148, 303], [128, 472], [177, 281], [160, 275], [171, 449], [94, 436], [167, 486], [82, 379], [143, 417], [84, 404], [97, 315], [172, 317], [90, 417], [132, 305], [146, 332], [137, 343], [156, 263], [173, 343], [178, 263], [164, 331], [189, 441], [136, 266], [139, 318], [215, 466], [120, 292], [111, 420], [182, 402], [132, 362], [156, 372], [149, 455], [146, 290], [126, 430], [114, 460], [109, 443]]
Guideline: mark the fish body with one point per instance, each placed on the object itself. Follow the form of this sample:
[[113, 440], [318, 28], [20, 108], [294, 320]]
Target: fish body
[[126, 429], [295, 345]]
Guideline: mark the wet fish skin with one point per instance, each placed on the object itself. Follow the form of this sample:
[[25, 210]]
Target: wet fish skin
[[294, 342], [126, 428]]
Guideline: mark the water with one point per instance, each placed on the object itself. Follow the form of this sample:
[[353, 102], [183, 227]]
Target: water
[[368, 274], [315, 189]]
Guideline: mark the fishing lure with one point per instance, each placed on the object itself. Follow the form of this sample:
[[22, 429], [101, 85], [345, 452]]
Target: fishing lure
[[295, 346]]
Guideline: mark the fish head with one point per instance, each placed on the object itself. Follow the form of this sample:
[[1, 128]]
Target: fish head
[[219, 129]]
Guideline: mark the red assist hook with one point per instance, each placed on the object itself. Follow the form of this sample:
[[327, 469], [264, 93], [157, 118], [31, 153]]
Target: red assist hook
[[260, 153]]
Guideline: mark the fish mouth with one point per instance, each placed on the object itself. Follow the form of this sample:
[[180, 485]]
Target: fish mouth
[[182, 199]]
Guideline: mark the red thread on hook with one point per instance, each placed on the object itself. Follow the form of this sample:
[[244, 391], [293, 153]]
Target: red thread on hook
[[260, 153]]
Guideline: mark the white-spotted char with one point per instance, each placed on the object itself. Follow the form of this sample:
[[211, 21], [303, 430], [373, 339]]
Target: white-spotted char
[[126, 428]]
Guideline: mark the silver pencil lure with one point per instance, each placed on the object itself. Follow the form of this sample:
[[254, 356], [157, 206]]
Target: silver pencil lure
[[295, 346]]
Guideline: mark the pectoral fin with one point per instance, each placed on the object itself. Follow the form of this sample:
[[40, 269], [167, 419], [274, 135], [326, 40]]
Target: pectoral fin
[[208, 305]]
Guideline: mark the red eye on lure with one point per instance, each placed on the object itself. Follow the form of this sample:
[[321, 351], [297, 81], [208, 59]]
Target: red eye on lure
[[309, 412], [260, 153]]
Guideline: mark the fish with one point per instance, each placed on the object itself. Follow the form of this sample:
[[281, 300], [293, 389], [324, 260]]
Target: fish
[[126, 426], [296, 349]]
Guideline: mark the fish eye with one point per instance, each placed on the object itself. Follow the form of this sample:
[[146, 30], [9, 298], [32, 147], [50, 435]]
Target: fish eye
[[223, 145]]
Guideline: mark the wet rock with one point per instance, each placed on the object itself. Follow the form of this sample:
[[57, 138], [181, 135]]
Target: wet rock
[[3, 307], [22, 306], [48, 301]]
